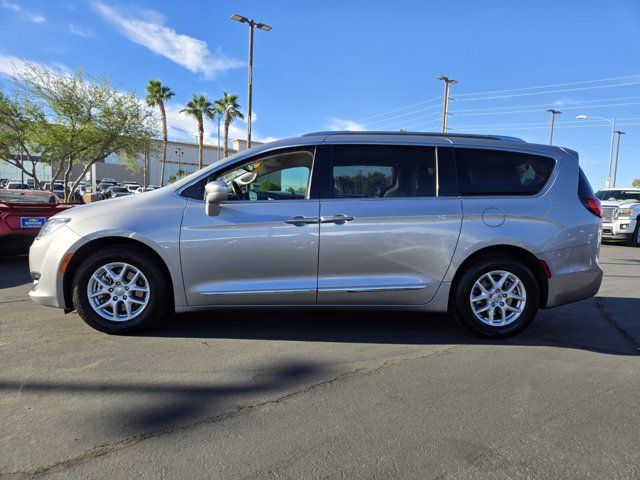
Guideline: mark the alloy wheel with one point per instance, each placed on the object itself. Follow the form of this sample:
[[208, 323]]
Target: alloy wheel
[[498, 298], [118, 291]]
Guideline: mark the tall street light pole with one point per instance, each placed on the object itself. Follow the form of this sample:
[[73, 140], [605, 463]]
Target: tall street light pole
[[612, 122], [615, 169], [252, 24], [445, 100], [553, 122]]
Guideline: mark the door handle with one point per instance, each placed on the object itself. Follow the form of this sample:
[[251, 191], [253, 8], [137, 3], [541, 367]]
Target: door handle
[[300, 220], [339, 218]]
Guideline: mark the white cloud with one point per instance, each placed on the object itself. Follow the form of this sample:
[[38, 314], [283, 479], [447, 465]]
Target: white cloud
[[24, 14], [15, 66], [35, 18], [79, 31], [9, 5], [343, 124], [146, 28]]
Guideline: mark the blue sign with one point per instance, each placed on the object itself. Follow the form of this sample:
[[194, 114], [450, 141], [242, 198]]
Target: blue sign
[[32, 222]]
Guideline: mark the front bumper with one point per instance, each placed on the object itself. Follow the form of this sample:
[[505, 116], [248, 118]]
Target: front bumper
[[621, 229], [45, 258]]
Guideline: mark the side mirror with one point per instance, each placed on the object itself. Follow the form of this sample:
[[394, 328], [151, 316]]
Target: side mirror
[[215, 193]]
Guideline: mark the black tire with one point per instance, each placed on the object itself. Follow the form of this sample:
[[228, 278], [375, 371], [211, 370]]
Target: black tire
[[463, 311], [634, 239], [156, 309]]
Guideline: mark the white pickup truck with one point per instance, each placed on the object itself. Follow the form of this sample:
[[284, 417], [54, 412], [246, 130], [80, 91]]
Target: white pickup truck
[[621, 214]]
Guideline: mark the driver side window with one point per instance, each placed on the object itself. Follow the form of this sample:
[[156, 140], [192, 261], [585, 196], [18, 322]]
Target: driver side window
[[284, 176]]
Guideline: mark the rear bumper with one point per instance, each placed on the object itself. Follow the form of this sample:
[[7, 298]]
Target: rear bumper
[[576, 274]]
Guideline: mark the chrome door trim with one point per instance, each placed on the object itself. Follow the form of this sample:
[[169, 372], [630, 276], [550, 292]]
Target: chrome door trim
[[254, 292], [373, 289]]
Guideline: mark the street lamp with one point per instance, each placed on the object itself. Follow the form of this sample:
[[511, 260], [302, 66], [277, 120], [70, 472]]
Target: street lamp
[[612, 122], [252, 24], [553, 121], [445, 100], [615, 168]]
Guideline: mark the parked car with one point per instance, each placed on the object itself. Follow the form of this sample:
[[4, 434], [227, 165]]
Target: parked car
[[115, 191], [23, 213], [144, 189], [621, 214], [487, 228], [58, 188], [132, 187], [17, 185]]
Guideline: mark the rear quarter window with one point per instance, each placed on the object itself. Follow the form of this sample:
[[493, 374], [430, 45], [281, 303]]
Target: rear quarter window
[[499, 172]]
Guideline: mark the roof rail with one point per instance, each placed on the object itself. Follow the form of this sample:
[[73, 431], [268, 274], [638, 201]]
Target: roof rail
[[424, 134]]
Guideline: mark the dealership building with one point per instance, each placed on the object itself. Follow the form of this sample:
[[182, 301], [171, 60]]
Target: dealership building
[[182, 159]]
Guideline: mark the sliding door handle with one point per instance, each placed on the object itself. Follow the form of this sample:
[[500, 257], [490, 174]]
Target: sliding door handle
[[300, 220], [339, 218]]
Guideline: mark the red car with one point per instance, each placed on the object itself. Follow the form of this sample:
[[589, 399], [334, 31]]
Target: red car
[[23, 212]]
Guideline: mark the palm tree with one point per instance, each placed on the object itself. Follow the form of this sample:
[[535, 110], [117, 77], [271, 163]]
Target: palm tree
[[229, 107], [157, 94], [199, 107]]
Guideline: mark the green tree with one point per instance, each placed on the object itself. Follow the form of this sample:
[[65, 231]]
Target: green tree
[[18, 128], [72, 119], [199, 107], [636, 183], [157, 96], [228, 106]]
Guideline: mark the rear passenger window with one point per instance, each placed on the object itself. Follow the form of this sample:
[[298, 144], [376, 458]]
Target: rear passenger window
[[383, 171], [497, 172]]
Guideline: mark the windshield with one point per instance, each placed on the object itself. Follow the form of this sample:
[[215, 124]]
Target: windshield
[[118, 189], [619, 195]]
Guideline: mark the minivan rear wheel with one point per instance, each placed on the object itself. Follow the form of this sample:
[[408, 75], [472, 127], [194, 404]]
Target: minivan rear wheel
[[120, 291], [496, 296]]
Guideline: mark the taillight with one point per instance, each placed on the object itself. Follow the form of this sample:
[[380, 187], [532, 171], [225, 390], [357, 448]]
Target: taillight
[[593, 205]]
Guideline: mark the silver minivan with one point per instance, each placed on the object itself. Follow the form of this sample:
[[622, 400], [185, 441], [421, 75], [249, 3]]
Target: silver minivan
[[487, 228]]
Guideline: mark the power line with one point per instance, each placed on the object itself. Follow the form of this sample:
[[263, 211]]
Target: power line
[[563, 105], [403, 115], [545, 92], [399, 109], [549, 86], [579, 107]]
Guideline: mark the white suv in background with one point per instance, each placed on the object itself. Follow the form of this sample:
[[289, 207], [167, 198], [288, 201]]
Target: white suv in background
[[621, 214]]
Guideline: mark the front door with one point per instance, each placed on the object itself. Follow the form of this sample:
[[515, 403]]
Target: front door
[[262, 248], [390, 222]]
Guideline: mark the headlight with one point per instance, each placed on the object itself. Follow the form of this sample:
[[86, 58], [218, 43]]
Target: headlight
[[51, 226], [625, 212]]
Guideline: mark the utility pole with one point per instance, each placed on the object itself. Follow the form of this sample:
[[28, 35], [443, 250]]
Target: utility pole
[[615, 169], [553, 122], [252, 24], [445, 100]]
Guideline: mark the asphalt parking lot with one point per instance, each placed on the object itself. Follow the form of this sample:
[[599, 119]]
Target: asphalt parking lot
[[323, 395]]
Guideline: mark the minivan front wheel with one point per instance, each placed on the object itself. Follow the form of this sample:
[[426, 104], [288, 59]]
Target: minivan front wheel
[[120, 291], [496, 297]]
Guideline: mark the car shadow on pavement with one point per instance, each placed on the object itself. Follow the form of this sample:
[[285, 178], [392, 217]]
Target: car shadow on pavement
[[585, 325], [154, 408], [14, 270]]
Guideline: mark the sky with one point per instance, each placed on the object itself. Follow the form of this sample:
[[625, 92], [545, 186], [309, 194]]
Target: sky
[[356, 64]]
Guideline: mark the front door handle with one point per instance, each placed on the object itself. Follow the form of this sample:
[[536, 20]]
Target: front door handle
[[300, 220], [339, 218]]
